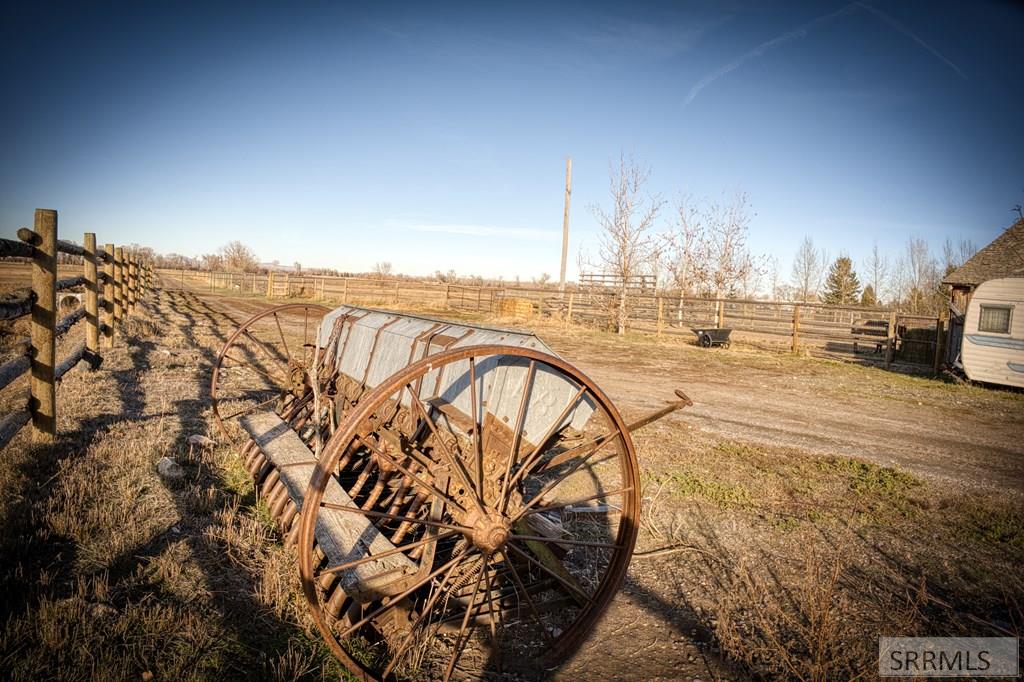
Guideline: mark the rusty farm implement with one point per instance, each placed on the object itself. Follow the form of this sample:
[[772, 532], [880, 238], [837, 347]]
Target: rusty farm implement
[[459, 497]]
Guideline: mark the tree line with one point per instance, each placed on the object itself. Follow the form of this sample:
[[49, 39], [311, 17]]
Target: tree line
[[700, 248]]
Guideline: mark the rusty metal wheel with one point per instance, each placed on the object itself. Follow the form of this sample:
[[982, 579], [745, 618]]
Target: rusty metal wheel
[[265, 363], [475, 512]]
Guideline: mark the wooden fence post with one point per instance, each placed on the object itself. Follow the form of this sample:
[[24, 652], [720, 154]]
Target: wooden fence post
[[43, 391], [890, 340], [108, 296], [270, 284], [118, 285], [719, 314], [568, 315], [396, 292], [796, 328], [92, 292], [940, 337], [344, 290], [661, 316], [132, 283]]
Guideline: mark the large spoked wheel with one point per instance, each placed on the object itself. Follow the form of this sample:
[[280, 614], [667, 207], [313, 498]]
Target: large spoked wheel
[[264, 365], [500, 520]]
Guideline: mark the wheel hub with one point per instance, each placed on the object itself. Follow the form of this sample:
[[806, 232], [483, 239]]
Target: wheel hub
[[490, 531]]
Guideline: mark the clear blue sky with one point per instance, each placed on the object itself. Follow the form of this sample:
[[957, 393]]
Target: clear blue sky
[[435, 137]]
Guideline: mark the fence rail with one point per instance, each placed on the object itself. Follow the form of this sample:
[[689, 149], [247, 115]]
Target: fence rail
[[124, 278], [873, 334]]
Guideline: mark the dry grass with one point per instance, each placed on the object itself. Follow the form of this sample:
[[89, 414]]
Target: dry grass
[[111, 572], [799, 563]]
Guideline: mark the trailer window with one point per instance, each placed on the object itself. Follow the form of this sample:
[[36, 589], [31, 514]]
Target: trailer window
[[995, 319]]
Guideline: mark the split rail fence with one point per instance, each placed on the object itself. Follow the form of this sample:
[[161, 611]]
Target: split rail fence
[[113, 281], [852, 332]]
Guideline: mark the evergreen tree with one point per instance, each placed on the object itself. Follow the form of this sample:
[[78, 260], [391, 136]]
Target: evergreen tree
[[842, 286], [868, 298]]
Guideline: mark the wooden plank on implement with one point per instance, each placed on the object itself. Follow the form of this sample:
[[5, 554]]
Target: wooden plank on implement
[[343, 536]]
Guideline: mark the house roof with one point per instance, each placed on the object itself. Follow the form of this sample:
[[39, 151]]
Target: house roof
[[1002, 258]]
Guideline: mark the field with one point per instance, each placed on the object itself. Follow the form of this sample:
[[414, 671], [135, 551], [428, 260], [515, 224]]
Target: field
[[800, 509]]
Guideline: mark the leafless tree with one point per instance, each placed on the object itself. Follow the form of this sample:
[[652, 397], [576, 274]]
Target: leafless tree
[[382, 269], [921, 276], [543, 279], [212, 261], [772, 267], [808, 268], [627, 246], [708, 247], [237, 257], [877, 272]]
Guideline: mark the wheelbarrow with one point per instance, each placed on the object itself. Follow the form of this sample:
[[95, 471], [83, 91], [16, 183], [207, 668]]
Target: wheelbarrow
[[712, 337], [429, 475]]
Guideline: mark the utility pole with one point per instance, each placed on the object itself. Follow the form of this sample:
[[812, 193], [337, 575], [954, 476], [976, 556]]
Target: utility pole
[[565, 223]]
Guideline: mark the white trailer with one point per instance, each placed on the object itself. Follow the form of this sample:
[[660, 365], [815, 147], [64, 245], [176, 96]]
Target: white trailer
[[992, 349]]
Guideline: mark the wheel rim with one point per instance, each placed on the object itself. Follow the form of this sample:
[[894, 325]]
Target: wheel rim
[[264, 364], [484, 540]]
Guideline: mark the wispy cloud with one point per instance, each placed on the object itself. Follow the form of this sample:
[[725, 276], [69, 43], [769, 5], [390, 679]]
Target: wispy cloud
[[799, 32], [879, 14], [804, 30], [523, 233], [648, 39]]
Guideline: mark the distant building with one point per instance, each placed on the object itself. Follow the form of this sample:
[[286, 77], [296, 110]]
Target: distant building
[[1002, 258], [277, 267]]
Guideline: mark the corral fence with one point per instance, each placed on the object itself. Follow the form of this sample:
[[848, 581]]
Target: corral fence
[[849, 332], [112, 282]]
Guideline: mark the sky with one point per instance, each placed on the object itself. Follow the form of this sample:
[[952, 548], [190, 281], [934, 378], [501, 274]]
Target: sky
[[434, 136]]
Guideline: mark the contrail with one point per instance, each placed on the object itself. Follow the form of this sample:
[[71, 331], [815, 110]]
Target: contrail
[[905, 31], [799, 32], [802, 31]]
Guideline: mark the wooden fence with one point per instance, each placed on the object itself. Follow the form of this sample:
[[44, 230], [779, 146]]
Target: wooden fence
[[852, 332], [114, 291]]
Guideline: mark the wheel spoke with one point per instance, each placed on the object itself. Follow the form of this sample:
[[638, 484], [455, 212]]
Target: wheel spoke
[[262, 346], [517, 433], [404, 548], [283, 340], [395, 517], [529, 599], [416, 479], [459, 641], [551, 573], [249, 410], [423, 614], [562, 505], [452, 461], [563, 541], [550, 486], [532, 458], [398, 598], [478, 447], [242, 363]]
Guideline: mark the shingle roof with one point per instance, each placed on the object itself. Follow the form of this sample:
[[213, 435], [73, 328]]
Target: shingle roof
[[1002, 258]]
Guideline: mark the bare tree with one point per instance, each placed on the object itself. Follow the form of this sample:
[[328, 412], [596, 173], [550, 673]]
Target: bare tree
[[877, 272], [808, 268], [772, 267], [709, 247], [627, 246], [237, 257], [921, 275], [544, 278], [382, 269], [212, 261]]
